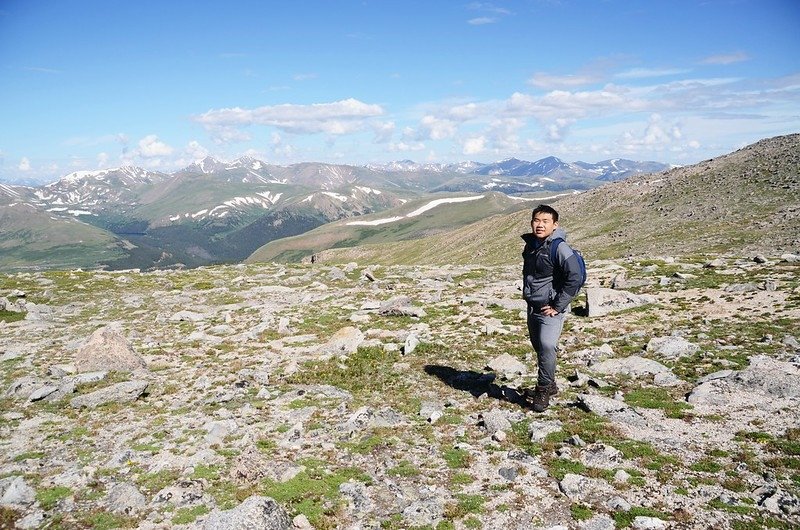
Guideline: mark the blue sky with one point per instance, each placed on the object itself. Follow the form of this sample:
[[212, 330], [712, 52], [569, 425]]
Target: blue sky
[[88, 84]]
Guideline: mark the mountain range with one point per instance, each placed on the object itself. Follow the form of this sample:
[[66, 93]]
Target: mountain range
[[747, 201], [214, 211]]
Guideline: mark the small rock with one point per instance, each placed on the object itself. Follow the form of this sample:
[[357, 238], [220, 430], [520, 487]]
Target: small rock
[[495, 420], [254, 512], [576, 440], [431, 411], [618, 504], [411, 343], [621, 476], [671, 347], [715, 264], [125, 499], [641, 522], [508, 473], [507, 366]]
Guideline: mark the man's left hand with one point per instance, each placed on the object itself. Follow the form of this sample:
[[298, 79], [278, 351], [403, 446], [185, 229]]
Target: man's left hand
[[549, 311]]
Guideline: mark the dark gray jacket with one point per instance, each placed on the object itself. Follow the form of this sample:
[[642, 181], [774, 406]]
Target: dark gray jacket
[[545, 283]]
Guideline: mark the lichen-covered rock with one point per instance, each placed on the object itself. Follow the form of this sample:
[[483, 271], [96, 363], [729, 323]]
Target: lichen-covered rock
[[108, 349], [255, 513]]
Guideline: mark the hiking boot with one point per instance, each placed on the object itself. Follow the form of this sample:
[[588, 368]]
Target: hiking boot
[[540, 396]]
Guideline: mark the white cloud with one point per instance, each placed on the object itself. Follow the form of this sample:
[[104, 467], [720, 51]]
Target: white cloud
[[556, 130], [480, 21], [24, 164], [465, 112], [726, 58], [474, 146], [487, 6], [383, 131], [336, 118], [195, 151], [641, 73], [227, 135], [437, 128], [151, 147], [403, 146], [658, 135], [504, 133], [304, 77], [102, 160], [280, 148], [548, 81]]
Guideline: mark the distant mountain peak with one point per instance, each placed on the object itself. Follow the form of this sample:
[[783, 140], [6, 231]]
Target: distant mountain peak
[[208, 164]]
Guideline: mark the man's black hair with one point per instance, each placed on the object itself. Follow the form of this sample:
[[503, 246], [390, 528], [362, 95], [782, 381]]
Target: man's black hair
[[543, 208]]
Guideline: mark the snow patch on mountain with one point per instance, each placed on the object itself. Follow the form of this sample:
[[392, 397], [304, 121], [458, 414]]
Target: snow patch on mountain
[[368, 190], [540, 199], [418, 211], [264, 200], [337, 196], [9, 191], [376, 221], [438, 202]]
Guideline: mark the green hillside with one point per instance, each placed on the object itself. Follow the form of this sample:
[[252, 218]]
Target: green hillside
[[345, 233], [33, 239]]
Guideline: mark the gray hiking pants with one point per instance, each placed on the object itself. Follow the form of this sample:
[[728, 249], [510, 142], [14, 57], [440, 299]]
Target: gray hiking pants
[[544, 333]]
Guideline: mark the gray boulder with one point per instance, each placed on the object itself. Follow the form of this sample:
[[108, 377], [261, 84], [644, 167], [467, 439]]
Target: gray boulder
[[14, 491], [773, 377], [400, 306], [411, 343], [344, 342], [598, 522], [431, 411], [612, 409], [601, 456], [632, 365], [602, 301], [125, 392], [671, 347], [585, 489], [507, 366], [107, 349], [255, 513], [126, 499], [495, 420]]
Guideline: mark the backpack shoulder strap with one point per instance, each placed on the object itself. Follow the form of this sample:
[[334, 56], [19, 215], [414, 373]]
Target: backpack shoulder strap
[[554, 249]]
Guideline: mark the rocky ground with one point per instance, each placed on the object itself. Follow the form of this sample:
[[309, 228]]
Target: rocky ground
[[315, 396]]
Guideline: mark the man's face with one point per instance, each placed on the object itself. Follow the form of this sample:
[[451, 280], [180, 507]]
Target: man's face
[[543, 225]]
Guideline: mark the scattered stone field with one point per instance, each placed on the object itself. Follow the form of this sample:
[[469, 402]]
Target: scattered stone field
[[376, 397]]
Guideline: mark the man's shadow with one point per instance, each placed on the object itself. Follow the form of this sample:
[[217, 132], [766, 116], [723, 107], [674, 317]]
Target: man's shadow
[[476, 383]]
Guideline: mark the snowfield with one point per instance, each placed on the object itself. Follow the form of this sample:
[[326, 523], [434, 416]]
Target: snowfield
[[418, 211]]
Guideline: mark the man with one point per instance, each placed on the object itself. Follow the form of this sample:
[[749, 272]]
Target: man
[[550, 282]]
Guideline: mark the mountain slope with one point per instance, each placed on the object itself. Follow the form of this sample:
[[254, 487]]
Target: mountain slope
[[746, 201], [31, 238], [412, 221]]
